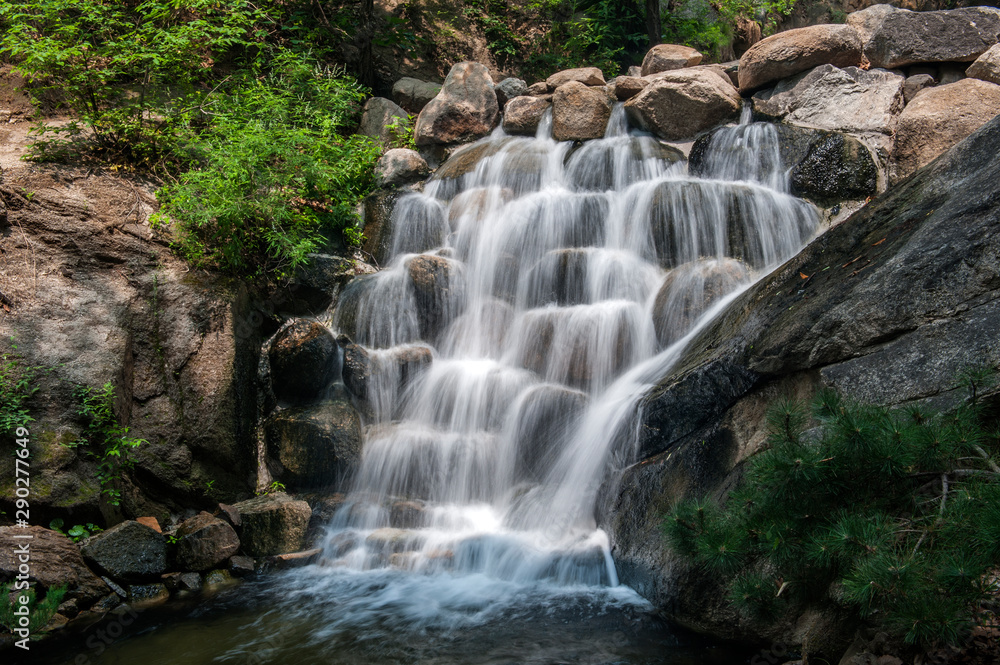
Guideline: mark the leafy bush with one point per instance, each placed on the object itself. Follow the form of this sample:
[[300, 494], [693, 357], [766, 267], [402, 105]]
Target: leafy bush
[[77, 532], [897, 509], [276, 176]]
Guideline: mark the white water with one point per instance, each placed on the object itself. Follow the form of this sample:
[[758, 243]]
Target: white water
[[574, 280]]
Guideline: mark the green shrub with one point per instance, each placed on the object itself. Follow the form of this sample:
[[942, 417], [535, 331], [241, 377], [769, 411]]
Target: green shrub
[[899, 509], [277, 178], [39, 611]]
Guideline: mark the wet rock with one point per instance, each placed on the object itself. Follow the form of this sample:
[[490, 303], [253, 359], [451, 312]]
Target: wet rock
[[129, 551], [55, 561], [313, 446], [836, 168], [665, 57], [413, 94], [579, 113], [438, 291], [466, 159], [521, 115], [987, 66], [393, 541], [400, 166], [788, 53], [826, 97], [914, 84], [406, 515], [584, 75], [939, 118], [273, 524], [182, 581], [203, 542], [683, 103], [508, 89], [894, 37], [303, 360], [689, 291], [378, 208], [400, 364], [144, 596], [292, 559], [228, 514], [241, 566], [627, 87], [560, 277], [217, 580], [545, 416], [466, 108], [379, 116]]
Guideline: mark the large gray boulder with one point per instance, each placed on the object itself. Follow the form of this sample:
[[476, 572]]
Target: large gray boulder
[[521, 115], [898, 37], [788, 53], [129, 552], [826, 97], [379, 118], [665, 57], [204, 542], [939, 118], [466, 108], [987, 66], [413, 94], [314, 446], [683, 103], [579, 113], [508, 89], [303, 361], [273, 524]]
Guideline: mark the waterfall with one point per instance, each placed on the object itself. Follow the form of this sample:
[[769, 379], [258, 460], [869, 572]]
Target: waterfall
[[555, 285]]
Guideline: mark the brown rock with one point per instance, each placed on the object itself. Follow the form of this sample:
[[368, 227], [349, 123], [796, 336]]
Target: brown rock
[[414, 94], [939, 118], [466, 108], [521, 115], [400, 166], [55, 561], [379, 116], [627, 87], [788, 53], [540, 88], [987, 66], [273, 524], [682, 103], [665, 57], [579, 113], [438, 292], [584, 75], [151, 522], [292, 559], [204, 542]]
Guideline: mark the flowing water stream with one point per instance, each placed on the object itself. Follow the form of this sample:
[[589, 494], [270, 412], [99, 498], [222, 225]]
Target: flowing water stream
[[552, 286]]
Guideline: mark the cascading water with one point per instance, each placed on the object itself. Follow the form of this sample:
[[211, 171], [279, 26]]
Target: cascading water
[[554, 285]]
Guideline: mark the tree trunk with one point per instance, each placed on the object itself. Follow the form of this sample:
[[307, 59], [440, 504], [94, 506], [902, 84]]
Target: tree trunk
[[654, 28], [367, 66]]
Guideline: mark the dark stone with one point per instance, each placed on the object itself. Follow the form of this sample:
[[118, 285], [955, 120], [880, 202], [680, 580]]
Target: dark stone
[[204, 542], [229, 513], [147, 595], [508, 89], [438, 291], [218, 579], [836, 168], [378, 208], [241, 566], [273, 524], [304, 361], [55, 561], [130, 551], [544, 421]]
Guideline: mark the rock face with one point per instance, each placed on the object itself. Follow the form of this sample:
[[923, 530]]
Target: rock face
[[314, 446], [400, 166], [788, 53], [273, 524], [826, 97], [683, 103], [204, 542], [939, 118], [664, 57], [508, 89], [379, 115], [898, 37], [987, 66], [901, 296], [584, 75], [579, 113], [466, 108], [130, 551], [401, 365], [303, 361], [521, 115], [413, 94], [55, 561]]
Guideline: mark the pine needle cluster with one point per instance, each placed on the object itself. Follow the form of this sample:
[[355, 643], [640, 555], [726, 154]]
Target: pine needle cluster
[[894, 512]]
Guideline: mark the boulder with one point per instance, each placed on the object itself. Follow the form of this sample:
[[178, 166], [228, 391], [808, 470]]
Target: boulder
[[788, 53], [402, 362], [508, 89], [579, 113], [130, 552], [438, 291], [627, 87], [939, 118], [379, 116], [665, 57], [203, 542], [521, 115], [584, 75], [466, 108], [683, 103], [378, 208], [987, 66], [313, 446], [55, 561], [826, 97], [303, 361], [400, 166], [273, 524], [538, 89], [914, 84], [413, 94], [894, 37], [545, 415], [689, 290]]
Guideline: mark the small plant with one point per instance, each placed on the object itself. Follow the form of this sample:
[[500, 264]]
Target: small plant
[[39, 611], [273, 488], [77, 532], [105, 438], [17, 385]]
